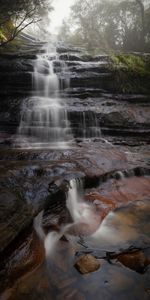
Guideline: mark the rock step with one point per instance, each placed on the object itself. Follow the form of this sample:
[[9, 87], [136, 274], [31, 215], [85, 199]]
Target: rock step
[[93, 80], [85, 92], [83, 57], [81, 67], [114, 131]]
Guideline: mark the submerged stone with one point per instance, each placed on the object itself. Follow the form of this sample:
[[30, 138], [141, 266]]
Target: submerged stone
[[136, 261], [87, 264]]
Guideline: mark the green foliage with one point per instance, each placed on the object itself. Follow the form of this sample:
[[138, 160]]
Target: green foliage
[[132, 63], [131, 72], [2, 35]]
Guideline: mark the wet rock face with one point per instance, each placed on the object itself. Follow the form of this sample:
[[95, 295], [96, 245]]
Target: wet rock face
[[16, 83], [9, 121], [14, 216], [15, 76], [22, 257]]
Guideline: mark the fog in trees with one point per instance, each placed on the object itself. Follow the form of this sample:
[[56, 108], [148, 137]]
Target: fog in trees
[[105, 24]]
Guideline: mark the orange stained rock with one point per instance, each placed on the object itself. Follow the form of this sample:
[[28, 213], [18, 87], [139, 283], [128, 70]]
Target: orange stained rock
[[119, 193]]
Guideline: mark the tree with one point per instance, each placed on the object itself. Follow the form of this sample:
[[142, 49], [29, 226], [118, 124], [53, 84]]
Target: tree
[[89, 21], [118, 24], [16, 15], [125, 17], [64, 32]]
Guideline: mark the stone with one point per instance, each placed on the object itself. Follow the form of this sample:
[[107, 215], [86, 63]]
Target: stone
[[87, 264]]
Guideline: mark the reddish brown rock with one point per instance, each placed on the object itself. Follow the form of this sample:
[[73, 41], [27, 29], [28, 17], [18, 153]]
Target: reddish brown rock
[[87, 264], [114, 194], [22, 258]]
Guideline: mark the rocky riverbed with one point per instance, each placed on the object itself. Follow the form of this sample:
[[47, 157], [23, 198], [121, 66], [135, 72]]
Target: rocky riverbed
[[109, 155]]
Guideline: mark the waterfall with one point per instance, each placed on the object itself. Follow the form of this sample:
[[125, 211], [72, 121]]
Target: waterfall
[[44, 116], [44, 121], [84, 219], [90, 125], [79, 210]]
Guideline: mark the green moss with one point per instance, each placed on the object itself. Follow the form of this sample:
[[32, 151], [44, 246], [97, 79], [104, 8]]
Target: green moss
[[131, 63]]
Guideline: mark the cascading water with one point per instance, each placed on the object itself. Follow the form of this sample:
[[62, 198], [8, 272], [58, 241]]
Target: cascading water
[[90, 125], [84, 218], [79, 210], [44, 121]]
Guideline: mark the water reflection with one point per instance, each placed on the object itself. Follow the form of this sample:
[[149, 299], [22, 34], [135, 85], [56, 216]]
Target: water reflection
[[124, 226], [58, 279]]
